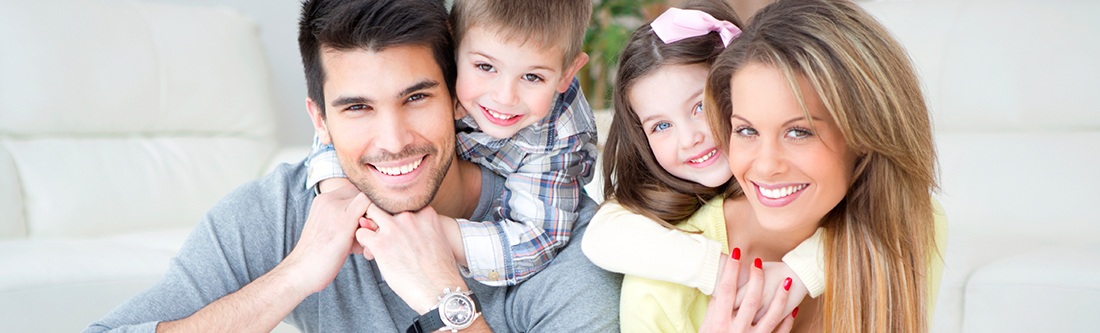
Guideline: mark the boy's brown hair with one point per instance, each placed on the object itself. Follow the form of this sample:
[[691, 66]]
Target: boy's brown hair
[[547, 23]]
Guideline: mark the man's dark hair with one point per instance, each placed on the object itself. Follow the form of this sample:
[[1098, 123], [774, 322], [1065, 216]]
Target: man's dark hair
[[372, 25]]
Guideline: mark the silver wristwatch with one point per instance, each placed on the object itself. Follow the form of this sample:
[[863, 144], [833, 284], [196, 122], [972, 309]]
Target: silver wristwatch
[[456, 310]]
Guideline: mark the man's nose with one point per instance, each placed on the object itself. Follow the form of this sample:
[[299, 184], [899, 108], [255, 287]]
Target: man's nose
[[392, 132]]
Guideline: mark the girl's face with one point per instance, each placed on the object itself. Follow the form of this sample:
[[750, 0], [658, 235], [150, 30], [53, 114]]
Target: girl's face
[[669, 103], [792, 173]]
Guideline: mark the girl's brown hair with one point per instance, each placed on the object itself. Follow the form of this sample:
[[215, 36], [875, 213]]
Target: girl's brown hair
[[879, 239], [631, 173]]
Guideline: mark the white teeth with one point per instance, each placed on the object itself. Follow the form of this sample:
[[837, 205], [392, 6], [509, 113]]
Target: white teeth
[[705, 157], [781, 192], [500, 116], [399, 170]]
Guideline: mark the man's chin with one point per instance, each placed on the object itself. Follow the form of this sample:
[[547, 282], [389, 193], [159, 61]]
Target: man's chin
[[399, 205]]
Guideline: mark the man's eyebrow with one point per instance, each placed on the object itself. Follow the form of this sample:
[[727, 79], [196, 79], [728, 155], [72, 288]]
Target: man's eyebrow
[[422, 85], [349, 100]]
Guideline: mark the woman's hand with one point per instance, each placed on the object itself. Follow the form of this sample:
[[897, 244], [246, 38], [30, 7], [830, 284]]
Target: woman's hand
[[721, 315]]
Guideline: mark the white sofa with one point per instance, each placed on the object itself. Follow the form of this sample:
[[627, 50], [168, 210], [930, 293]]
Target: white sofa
[[121, 123], [1012, 86]]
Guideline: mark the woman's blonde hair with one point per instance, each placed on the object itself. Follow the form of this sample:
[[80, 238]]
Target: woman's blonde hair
[[879, 239]]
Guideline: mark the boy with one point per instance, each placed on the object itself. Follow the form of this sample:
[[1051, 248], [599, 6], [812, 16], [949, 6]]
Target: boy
[[521, 114]]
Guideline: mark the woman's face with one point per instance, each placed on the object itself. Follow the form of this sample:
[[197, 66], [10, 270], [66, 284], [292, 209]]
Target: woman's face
[[669, 103], [793, 173]]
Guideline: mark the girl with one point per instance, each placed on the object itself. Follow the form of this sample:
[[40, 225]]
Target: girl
[[661, 164]]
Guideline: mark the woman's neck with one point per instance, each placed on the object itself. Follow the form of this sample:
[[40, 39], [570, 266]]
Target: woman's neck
[[743, 230]]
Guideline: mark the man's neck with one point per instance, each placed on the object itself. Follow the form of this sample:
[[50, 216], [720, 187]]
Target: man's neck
[[460, 190]]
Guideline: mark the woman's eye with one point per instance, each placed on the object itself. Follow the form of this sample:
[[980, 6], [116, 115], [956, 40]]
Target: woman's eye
[[698, 109], [485, 67], [532, 78], [745, 131], [661, 126], [798, 133]]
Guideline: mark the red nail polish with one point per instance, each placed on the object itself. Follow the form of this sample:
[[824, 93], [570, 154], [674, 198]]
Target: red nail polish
[[794, 313], [787, 284], [736, 253], [759, 264]]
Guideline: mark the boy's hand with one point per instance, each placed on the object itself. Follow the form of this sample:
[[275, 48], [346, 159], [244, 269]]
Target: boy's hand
[[331, 184]]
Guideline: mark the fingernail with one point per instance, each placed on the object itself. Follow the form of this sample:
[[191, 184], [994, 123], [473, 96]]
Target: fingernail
[[794, 313], [787, 284], [759, 264], [736, 253]]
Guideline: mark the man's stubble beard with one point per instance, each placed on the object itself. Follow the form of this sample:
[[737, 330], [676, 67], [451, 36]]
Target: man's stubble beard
[[396, 203]]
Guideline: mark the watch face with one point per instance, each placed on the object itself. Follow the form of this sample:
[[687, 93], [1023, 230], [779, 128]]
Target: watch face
[[457, 310]]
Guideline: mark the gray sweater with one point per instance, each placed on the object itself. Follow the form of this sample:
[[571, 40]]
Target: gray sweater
[[252, 229]]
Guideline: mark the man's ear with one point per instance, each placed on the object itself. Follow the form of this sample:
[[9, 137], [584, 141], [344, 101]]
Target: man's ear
[[571, 72], [320, 127]]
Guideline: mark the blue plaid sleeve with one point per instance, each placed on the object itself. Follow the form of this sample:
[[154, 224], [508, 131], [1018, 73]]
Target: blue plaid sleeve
[[322, 163], [543, 189]]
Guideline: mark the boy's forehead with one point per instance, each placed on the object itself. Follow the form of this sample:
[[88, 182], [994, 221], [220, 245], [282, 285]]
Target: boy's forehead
[[514, 38]]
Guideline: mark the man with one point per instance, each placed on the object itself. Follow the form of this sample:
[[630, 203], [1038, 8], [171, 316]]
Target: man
[[380, 76]]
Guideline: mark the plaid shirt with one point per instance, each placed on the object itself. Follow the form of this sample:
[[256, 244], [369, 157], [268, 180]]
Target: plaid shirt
[[545, 165]]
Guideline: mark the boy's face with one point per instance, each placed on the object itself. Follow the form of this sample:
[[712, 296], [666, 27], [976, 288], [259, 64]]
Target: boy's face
[[508, 85]]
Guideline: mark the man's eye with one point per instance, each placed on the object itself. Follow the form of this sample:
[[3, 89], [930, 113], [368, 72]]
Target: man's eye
[[417, 96], [485, 67], [358, 107], [532, 78]]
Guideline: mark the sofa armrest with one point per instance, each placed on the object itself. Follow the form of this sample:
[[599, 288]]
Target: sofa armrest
[[287, 154]]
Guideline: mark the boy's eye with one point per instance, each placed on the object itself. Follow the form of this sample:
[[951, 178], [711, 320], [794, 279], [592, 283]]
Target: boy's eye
[[532, 78], [798, 133], [661, 126], [485, 67], [698, 109]]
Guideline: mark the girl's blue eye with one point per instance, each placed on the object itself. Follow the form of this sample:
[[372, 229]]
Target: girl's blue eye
[[661, 126], [698, 109], [485, 67]]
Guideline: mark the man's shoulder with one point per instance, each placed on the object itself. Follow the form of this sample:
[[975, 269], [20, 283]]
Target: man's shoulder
[[278, 194]]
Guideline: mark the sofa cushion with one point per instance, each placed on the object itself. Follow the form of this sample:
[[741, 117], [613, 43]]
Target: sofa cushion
[[1052, 289], [78, 281], [120, 115]]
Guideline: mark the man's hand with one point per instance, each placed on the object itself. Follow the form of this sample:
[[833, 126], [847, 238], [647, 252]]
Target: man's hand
[[327, 238], [413, 254]]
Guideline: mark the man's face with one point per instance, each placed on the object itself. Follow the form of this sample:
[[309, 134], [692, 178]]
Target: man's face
[[390, 118]]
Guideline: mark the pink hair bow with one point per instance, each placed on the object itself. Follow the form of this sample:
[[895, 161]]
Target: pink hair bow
[[677, 24]]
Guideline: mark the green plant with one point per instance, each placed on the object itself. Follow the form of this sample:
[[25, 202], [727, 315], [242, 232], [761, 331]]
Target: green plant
[[612, 23]]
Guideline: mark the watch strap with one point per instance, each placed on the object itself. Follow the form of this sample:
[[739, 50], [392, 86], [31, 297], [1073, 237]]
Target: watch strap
[[433, 320]]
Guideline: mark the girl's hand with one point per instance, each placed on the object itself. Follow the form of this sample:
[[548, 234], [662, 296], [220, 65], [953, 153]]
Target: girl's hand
[[721, 315]]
